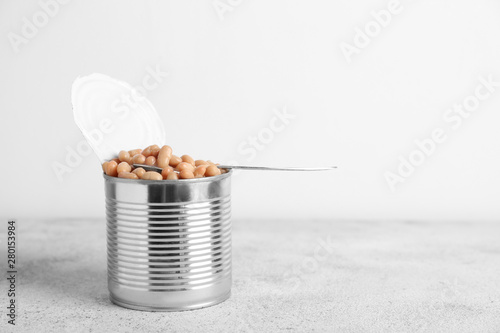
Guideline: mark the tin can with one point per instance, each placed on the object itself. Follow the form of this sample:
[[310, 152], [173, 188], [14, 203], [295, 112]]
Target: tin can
[[169, 242]]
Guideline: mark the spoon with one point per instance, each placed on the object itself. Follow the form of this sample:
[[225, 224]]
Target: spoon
[[245, 167]]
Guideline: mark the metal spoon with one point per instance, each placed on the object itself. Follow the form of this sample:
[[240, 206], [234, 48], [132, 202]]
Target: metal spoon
[[244, 167]]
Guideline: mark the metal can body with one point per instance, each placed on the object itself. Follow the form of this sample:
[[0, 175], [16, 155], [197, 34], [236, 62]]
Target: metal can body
[[169, 242]]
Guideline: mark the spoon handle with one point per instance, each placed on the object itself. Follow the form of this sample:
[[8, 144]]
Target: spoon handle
[[245, 167], [148, 167], [251, 167]]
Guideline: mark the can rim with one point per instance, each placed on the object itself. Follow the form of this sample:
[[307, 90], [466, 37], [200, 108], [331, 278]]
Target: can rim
[[169, 181]]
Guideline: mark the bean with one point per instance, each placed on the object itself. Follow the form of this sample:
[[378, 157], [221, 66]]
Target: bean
[[172, 175], [164, 156], [128, 175], [123, 166], [199, 172], [111, 169], [150, 160], [124, 156], [201, 162], [166, 171], [151, 175], [138, 159], [134, 152], [212, 170], [188, 159], [174, 161], [186, 174], [152, 150], [139, 172], [184, 166], [173, 167]]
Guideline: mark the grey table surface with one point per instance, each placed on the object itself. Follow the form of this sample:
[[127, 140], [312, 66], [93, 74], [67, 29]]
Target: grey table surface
[[291, 276]]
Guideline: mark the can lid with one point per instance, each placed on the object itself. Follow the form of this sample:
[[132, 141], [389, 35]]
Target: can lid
[[114, 116]]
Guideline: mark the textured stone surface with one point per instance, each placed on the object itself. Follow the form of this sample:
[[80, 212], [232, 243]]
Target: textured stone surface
[[336, 276]]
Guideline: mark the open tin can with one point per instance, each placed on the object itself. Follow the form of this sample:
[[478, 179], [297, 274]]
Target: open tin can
[[169, 242]]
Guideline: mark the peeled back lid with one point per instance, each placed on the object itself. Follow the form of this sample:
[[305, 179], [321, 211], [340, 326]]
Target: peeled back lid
[[114, 116]]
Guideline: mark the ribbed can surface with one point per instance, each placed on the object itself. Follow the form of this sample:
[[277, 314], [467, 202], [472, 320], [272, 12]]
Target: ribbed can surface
[[169, 242]]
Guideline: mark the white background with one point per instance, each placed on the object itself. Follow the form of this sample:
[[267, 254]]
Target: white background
[[226, 76]]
